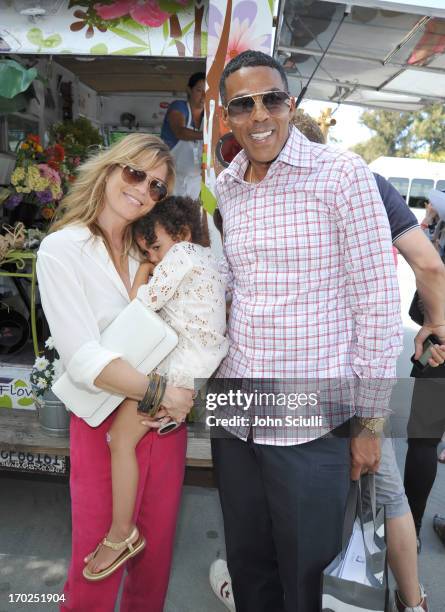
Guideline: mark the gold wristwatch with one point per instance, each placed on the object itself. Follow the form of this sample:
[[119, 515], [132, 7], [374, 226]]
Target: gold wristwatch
[[375, 426]]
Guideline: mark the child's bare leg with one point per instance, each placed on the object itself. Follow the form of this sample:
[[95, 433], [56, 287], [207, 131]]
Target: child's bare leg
[[124, 435]]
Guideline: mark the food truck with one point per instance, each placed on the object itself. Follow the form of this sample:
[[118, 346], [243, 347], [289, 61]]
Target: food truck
[[112, 68]]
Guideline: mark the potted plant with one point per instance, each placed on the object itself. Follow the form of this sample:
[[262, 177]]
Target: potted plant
[[52, 413]]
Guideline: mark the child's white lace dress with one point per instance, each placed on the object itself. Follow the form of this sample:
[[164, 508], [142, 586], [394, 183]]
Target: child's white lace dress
[[189, 293]]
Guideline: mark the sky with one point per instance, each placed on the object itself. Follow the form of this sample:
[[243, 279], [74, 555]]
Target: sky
[[348, 130]]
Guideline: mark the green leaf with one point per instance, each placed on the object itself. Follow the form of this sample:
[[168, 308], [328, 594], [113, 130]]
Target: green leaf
[[52, 41], [35, 37], [166, 30], [173, 42], [271, 3], [19, 383], [170, 6], [5, 401], [204, 43], [128, 36], [25, 401], [129, 51], [74, 3], [130, 24], [208, 199], [186, 28], [100, 49]]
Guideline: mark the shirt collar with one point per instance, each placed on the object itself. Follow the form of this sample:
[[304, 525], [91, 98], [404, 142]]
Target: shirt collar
[[298, 151]]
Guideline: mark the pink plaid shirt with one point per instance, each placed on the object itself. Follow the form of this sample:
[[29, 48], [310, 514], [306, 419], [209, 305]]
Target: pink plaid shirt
[[312, 277]]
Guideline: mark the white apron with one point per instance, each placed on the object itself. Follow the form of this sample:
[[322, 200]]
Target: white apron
[[188, 157]]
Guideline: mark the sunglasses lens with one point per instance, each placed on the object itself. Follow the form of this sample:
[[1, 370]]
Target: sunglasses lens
[[240, 108], [132, 176], [158, 191], [276, 102]]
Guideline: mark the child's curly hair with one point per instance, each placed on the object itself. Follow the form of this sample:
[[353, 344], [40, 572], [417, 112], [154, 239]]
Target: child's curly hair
[[174, 214]]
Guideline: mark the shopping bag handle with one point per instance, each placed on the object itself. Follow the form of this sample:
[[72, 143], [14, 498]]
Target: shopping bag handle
[[354, 507], [370, 486], [350, 512]]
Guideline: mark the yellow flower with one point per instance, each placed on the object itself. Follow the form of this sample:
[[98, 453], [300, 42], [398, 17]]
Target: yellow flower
[[55, 190], [34, 181], [39, 149], [25, 146], [18, 175]]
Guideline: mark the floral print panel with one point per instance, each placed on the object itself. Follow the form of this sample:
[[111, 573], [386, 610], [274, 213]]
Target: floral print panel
[[173, 28]]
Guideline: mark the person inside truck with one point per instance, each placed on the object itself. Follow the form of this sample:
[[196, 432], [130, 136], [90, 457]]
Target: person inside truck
[[182, 131]]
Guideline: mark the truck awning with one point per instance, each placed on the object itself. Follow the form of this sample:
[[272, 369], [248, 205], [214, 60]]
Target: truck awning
[[370, 53]]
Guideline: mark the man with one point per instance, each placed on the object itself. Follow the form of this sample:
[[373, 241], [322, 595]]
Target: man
[[314, 296], [430, 277], [427, 418]]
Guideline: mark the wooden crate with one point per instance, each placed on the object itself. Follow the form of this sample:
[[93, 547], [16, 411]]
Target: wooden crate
[[21, 432]]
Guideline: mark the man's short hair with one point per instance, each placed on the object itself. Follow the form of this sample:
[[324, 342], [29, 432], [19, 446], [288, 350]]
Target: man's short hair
[[308, 127], [250, 59]]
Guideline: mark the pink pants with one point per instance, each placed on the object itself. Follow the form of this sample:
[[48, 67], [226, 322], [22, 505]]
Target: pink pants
[[161, 472]]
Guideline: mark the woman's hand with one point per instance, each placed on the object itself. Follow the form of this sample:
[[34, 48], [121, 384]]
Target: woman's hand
[[177, 403], [156, 421]]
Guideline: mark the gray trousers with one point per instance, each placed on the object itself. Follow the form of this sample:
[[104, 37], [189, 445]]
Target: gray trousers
[[283, 510]]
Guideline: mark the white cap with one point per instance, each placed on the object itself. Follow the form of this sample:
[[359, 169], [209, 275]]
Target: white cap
[[437, 199]]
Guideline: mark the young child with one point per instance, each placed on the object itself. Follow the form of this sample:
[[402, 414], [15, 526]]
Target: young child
[[189, 293]]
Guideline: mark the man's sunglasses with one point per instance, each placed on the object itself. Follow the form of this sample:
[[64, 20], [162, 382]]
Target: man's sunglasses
[[275, 102], [157, 189]]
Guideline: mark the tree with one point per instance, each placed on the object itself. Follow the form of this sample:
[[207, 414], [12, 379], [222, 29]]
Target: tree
[[429, 129], [416, 134]]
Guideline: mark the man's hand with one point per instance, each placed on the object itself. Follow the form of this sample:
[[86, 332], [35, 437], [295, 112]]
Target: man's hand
[[365, 453], [438, 351]]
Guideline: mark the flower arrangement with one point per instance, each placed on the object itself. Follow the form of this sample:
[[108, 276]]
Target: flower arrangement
[[37, 178], [42, 176], [46, 369]]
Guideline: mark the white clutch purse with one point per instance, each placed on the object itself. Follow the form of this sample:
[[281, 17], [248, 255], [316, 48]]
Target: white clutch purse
[[143, 339]]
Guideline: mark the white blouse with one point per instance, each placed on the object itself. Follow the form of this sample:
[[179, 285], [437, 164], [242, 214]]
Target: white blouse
[[81, 293], [189, 293]]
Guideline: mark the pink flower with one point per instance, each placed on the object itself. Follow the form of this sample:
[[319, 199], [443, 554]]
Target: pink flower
[[49, 173], [115, 10], [243, 33], [145, 12]]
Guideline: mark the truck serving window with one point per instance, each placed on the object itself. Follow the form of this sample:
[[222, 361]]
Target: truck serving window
[[401, 184], [418, 192]]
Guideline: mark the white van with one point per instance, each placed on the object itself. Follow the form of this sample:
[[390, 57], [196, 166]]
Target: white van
[[412, 178]]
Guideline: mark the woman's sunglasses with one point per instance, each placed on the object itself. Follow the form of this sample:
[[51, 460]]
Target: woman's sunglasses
[[157, 189], [275, 102]]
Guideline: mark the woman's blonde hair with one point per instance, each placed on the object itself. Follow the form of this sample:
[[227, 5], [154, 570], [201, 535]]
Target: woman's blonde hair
[[85, 199]]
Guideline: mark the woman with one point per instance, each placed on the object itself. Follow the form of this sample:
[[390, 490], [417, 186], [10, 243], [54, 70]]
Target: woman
[[85, 270], [182, 131]]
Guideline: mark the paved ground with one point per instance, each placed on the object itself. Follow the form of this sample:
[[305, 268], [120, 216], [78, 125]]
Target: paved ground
[[35, 528]]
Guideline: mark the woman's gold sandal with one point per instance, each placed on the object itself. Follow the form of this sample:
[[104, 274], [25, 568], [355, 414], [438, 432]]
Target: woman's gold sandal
[[130, 549]]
